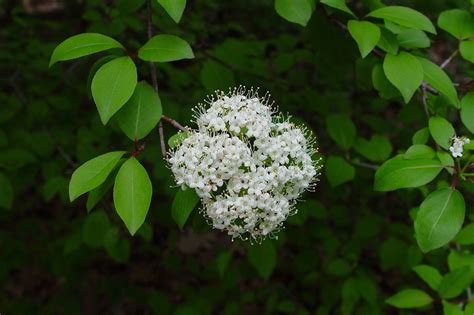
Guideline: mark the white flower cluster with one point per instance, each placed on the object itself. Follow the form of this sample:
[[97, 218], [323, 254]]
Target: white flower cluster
[[247, 165], [457, 145]]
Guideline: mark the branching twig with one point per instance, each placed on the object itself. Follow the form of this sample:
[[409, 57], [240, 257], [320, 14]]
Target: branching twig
[[173, 123], [447, 61]]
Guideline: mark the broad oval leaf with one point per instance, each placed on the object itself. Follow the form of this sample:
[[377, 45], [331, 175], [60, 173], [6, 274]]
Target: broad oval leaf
[[382, 85], [456, 22], [183, 204], [405, 17], [466, 235], [113, 85], [94, 229], [467, 50], [399, 172], [6, 192], [409, 298], [405, 72], [421, 136], [164, 48], [263, 257], [430, 275], [437, 78], [388, 41], [419, 151], [82, 45], [412, 38], [467, 111], [454, 283], [141, 113], [132, 194], [366, 35], [342, 130], [441, 130], [439, 219], [338, 171], [174, 8], [377, 149], [92, 173], [338, 4], [295, 11]]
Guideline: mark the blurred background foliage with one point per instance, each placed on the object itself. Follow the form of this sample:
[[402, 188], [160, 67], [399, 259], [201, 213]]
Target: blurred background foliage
[[346, 250]]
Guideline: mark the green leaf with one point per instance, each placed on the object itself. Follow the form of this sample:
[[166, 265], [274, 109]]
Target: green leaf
[[405, 17], [412, 39], [405, 72], [92, 173], [295, 11], [146, 232], [95, 228], [446, 159], [82, 45], [113, 85], [132, 194], [96, 194], [439, 219], [366, 35], [381, 84], [141, 113], [451, 309], [164, 48], [342, 130], [469, 309], [419, 151], [118, 248], [467, 111], [263, 257], [176, 139], [388, 41], [409, 298], [456, 22], [6, 192], [458, 260], [467, 50], [399, 172], [441, 131], [338, 171], [183, 204], [338, 4], [437, 78], [454, 283], [215, 76], [466, 235], [222, 261], [421, 136], [429, 274], [174, 8], [377, 149]]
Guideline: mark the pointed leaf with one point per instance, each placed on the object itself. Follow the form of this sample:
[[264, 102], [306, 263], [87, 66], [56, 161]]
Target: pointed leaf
[[92, 173], [295, 11], [113, 85], [366, 35], [409, 298], [183, 204], [405, 17], [82, 45], [454, 283], [467, 50], [429, 274], [132, 194], [174, 8], [263, 257], [164, 48], [405, 72], [439, 219], [338, 171], [388, 41], [442, 131], [342, 130], [338, 4], [456, 22], [412, 38]]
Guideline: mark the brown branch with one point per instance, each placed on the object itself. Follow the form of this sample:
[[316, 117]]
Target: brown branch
[[447, 61], [173, 123]]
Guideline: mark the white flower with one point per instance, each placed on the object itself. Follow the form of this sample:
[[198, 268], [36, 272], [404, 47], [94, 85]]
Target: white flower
[[457, 145], [247, 165]]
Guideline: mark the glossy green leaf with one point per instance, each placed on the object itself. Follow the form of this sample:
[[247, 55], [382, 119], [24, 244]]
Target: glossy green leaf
[[174, 8], [183, 204], [399, 172], [295, 11], [82, 45], [96, 194], [452, 309], [405, 17], [164, 48], [338, 171], [113, 85], [454, 283], [132, 194], [6, 192], [409, 298], [459, 23], [366, 35], [439, 219], [405, 72], [419, 151], [92, 173], [441, 130], [466, 235], [95, 228], [342, 130], [388, 41], [381, 84], [176, 139], [263, 257], [467, 111], [421, 136], [412, 39], [430, 275], [437, 78], [467, 50], [141, 113], [338, 4], [377, 149]]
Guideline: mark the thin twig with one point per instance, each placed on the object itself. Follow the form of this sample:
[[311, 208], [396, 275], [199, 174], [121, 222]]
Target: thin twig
[[447, 61], [173, 123], [366, 165], [154, 79], [424, 99]]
